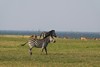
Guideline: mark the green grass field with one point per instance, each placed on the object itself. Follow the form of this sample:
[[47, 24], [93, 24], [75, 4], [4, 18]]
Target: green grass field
[[63, 53]]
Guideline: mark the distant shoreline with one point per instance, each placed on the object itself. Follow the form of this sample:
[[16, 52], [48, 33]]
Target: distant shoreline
[[59, 34]]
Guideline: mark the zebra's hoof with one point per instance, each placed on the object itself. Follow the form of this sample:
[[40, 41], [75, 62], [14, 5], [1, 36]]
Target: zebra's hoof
[[54, 41], [30, 53]]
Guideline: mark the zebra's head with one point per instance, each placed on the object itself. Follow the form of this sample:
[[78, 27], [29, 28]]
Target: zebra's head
[[53, 33]]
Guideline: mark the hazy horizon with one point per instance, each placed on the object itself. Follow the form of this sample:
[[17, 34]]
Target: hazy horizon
[[43, 15], [46, 31]]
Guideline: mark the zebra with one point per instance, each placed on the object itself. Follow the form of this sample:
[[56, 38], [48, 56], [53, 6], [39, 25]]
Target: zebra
[[39, 43], [50, 33]]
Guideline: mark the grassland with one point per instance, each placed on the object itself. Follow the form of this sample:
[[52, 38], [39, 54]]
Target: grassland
[[63, 53]]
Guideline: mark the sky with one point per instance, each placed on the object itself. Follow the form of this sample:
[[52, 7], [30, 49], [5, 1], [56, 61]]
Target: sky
[[44, 15]]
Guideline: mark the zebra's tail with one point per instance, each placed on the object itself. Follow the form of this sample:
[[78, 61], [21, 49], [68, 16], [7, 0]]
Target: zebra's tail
[[24, 44]]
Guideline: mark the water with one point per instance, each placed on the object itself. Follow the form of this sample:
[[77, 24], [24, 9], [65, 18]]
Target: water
[[59, 34]]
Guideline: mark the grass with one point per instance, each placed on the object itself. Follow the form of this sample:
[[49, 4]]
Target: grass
[[63, 53]]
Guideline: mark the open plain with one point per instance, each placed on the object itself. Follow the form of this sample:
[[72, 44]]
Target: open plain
[[63, 53]]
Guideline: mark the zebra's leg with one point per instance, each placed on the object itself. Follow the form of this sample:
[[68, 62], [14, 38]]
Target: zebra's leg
[[46, 50], [42, 50], [30, 51]]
